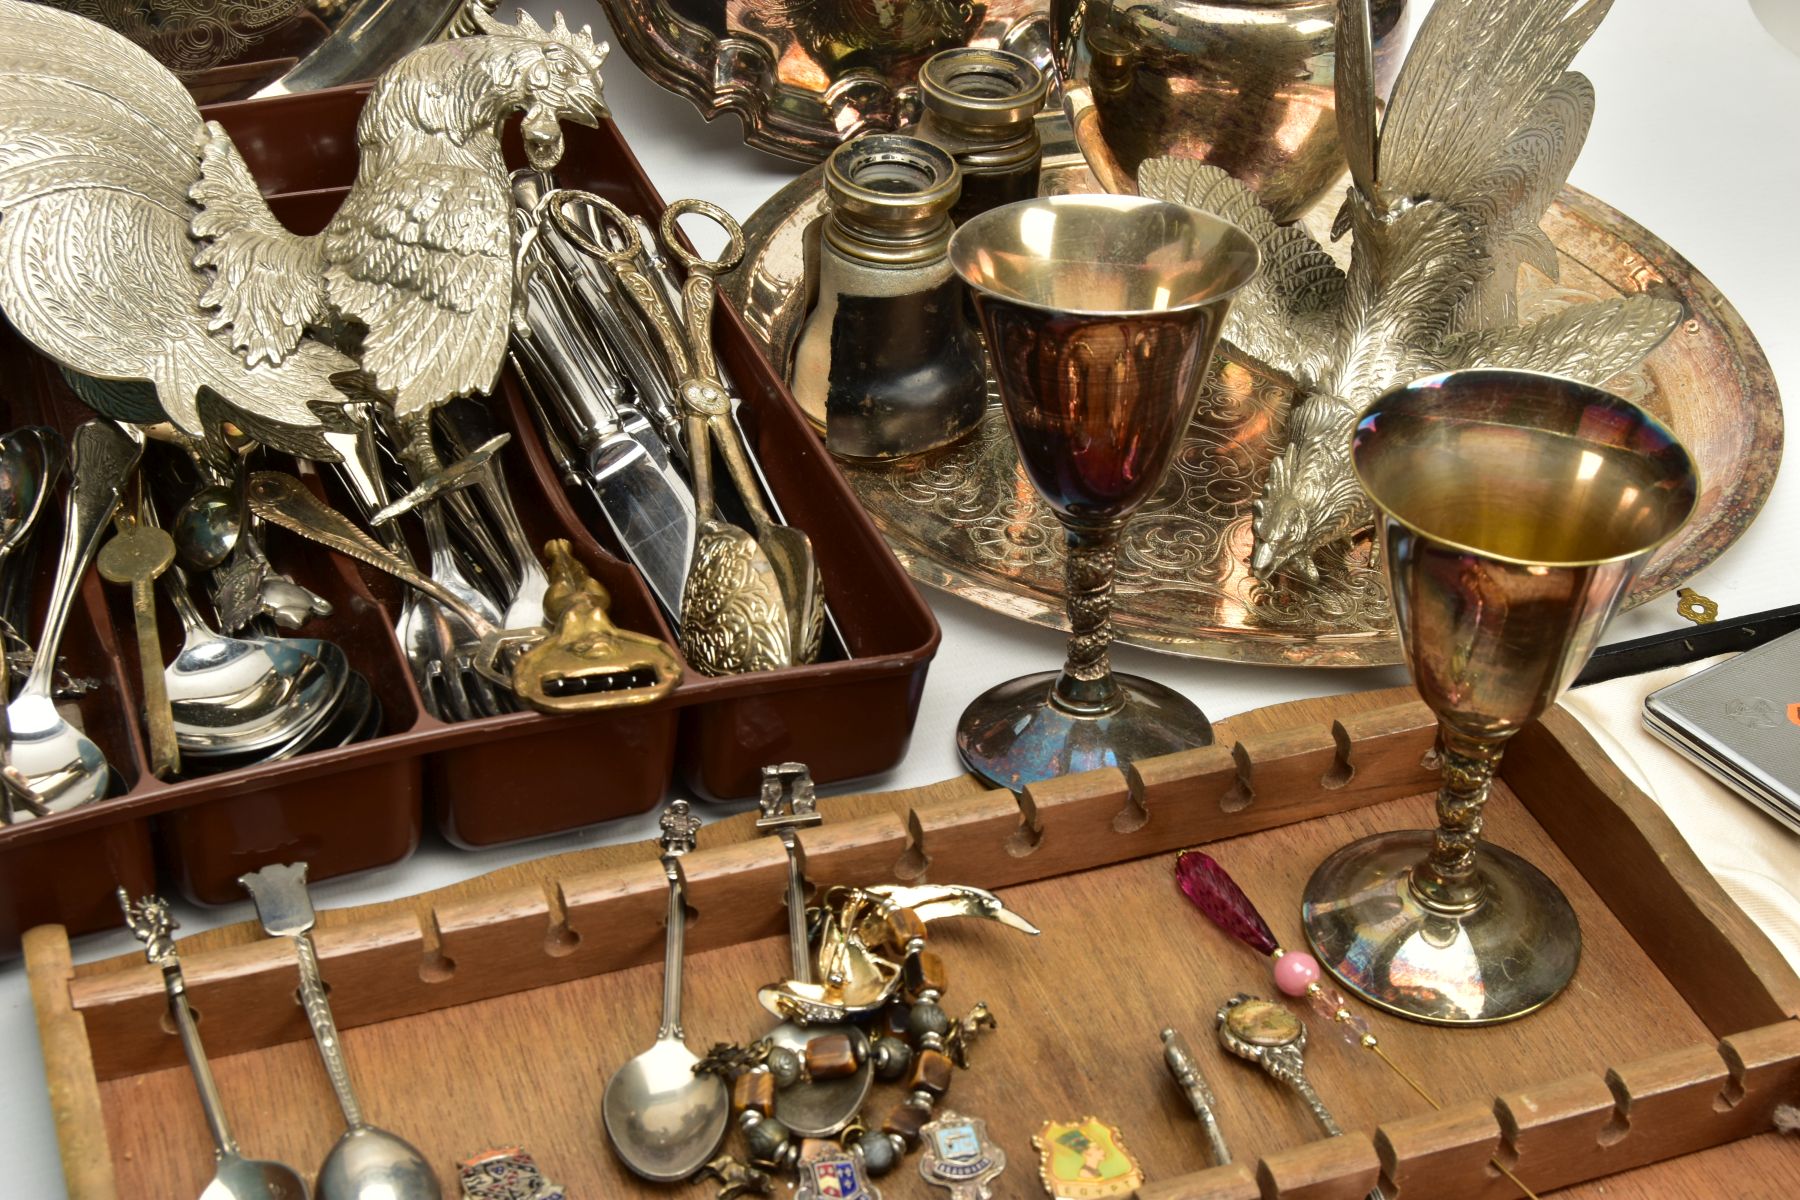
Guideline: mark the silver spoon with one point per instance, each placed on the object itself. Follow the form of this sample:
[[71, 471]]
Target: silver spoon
[[206, 528], [61, 764], [665, 1121], [367, 1163], [818, 1108], [31, 462], [234, 1176], [240, 695]]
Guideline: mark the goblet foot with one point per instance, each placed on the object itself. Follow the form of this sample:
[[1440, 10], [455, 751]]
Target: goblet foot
[[1507, 957], [1013, 735]]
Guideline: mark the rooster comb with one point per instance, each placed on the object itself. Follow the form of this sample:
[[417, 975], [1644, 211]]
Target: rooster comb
[[581, 41]]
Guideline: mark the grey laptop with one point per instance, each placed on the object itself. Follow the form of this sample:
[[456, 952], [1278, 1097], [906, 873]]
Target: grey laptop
[[1740, 721]]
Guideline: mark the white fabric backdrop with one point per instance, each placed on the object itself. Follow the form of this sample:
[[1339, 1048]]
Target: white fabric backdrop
[[1693, 138]]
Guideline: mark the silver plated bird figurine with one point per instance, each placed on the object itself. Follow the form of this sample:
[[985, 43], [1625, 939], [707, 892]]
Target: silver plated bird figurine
[[135, 244], [1445, 202]]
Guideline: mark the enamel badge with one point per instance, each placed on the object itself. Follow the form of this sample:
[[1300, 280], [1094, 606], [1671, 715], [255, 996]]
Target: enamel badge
[[955, 1153], [834, 1175], [1085, 1160], [507, 1174]]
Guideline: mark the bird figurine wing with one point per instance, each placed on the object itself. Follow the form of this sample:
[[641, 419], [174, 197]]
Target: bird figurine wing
[[97, 153], [1286, 316], [1487, 117], [1589, 343], [424, 261], [1449, 194]]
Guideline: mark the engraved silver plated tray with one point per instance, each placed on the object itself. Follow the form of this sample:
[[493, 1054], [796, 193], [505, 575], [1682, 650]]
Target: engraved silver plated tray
[[964, 519]]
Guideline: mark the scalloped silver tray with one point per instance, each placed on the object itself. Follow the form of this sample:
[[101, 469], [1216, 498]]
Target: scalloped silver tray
[[965, 520]]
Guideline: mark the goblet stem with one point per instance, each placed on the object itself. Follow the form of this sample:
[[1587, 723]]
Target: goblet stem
[[1086, 686], [1446, 881]]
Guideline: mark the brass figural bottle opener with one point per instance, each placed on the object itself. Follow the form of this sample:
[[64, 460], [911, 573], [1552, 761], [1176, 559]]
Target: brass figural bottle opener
[[587, 662]]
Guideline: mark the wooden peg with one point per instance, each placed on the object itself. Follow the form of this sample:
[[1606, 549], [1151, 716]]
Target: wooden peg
[[1242, 793], [1342, 770]]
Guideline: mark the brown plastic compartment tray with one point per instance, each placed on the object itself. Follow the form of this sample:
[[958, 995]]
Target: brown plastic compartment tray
[[731, 727], [488, 781]]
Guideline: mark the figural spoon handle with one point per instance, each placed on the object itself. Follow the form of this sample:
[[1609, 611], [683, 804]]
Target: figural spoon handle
[[285, 910], [282, 500]]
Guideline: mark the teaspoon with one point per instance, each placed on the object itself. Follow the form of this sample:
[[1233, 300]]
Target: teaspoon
[[367, 1163], [234, 1176], [822, 1105], [61, 764], [664, 1120]]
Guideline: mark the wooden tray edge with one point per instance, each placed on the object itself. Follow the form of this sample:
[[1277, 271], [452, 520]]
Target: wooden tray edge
[[68, 1067]]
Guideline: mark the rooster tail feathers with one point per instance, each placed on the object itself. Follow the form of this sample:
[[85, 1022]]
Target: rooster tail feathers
[[268, 284], [1589, 343], [115, 74], [1355, 93], [287, 406], [1434, 142], [1284, 315], [1510, 199]]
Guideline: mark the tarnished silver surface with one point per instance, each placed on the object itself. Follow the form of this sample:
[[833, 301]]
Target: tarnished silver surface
[[805, 75], [965, 520], [1446, 205], [1246, 85], [1178, 1056], [103, 198]]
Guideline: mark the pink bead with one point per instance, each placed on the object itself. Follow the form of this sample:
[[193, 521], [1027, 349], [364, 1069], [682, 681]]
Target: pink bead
[[1295, 972]]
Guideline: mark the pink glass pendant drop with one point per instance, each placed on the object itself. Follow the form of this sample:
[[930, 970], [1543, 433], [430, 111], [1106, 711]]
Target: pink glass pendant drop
[[1216, 894]]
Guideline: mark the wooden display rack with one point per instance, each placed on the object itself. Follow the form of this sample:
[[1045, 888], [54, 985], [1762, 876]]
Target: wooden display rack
[[495, 1011]]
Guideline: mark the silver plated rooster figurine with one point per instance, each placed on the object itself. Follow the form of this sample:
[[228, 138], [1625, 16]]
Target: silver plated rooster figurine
[[1445, 202], [135, 245]]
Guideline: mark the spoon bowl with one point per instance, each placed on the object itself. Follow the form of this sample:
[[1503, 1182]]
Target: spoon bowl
[[207, 528], [236, 696], [664, 1120], [233, 696], [62, 764], [734, 615], [373, 1164], [247, 1179]]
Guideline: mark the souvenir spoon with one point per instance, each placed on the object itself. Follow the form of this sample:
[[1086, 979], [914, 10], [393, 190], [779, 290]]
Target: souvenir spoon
[[664, 1120], [234, 1176], [59, 762], [367, 1163], [1265, 1033], [823, 1104]]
